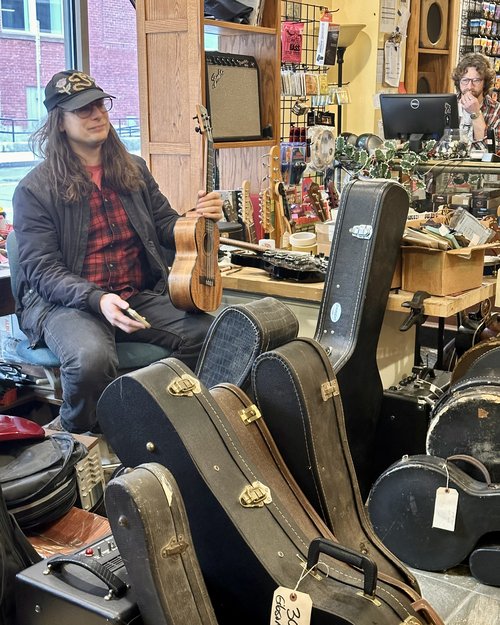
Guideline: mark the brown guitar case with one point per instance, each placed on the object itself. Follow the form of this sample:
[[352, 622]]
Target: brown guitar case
[[364, 252], [298, 395], [151, 530], [238, 335], [248, 543]]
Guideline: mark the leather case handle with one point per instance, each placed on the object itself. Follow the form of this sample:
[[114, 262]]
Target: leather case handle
[[423, 607], [116, 586], [349, 556], [475, 463]]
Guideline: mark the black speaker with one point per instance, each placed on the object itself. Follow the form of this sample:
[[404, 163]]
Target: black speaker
[[434, 24], [233, 96]]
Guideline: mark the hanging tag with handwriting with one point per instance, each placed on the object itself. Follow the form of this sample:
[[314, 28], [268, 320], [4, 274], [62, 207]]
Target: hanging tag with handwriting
[[290, 607], [445, 509]]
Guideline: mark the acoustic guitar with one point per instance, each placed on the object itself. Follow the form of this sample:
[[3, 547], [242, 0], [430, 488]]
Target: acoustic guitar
[[195, 282]]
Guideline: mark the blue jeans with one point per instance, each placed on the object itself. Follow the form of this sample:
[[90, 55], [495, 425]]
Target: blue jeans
[[86, 347]]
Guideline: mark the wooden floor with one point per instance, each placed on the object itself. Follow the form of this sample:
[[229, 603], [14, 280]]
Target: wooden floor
[[459, 598]]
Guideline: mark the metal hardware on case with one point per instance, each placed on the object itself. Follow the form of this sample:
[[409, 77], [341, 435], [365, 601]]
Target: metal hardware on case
[[150, 447], [411, 620], [174, 547], [329, 389], [185, 386], [250, 414], [311, 572], [373, 599], [255, 495], [362, 231]]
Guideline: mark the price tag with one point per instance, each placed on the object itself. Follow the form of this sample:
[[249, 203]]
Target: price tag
[[290, 607], [445, 509]]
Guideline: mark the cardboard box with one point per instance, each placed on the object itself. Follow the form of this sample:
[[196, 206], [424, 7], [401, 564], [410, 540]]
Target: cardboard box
[[442, 273]]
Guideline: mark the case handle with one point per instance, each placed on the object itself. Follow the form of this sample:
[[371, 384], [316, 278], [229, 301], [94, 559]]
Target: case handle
[[475, 463], [116, 586], [349, 556]]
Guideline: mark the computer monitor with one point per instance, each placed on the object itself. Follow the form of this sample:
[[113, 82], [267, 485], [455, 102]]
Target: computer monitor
[[418, 116]]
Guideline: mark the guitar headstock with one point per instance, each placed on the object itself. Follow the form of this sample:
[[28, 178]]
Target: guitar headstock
[[314, 194], [204, 123]]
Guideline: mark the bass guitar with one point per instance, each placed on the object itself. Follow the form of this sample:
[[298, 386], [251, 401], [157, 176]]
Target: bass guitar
[[195, 282]]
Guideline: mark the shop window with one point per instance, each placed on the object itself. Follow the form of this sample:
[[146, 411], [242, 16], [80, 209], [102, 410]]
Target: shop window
[[23, 15]]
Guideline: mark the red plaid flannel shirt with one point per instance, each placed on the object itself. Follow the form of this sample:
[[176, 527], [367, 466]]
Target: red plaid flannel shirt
[[115, 258]]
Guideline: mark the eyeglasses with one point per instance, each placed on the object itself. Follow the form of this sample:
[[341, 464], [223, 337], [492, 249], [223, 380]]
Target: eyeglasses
[[474, 81], [104, 105]]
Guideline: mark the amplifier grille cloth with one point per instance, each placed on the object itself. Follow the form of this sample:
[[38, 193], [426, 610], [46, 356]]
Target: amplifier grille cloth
[[233, 99]]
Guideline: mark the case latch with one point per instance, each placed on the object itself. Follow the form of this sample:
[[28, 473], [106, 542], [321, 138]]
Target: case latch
[[250, 414], [255, 495], [185, 386], [329, 389]]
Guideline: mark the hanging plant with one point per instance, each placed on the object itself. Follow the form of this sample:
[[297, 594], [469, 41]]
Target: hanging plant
[[383, 161]]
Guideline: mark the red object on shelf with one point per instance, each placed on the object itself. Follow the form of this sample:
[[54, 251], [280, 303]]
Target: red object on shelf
[[18, 427]]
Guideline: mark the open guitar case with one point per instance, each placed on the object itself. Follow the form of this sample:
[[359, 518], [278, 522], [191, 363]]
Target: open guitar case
[[247, 539], [364, 252]]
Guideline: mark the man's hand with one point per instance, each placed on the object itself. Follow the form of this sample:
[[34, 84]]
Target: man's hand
[[470, 103], [209, 205], [113, 307]]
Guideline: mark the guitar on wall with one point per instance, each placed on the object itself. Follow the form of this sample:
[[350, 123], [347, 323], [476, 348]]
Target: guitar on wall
[[246, 212], [195, 282], [282, 217]]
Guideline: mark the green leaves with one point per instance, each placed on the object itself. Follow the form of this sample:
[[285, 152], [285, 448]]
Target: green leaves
[[390, 157]]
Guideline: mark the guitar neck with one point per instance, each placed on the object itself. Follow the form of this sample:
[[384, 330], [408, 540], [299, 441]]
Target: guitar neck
[[210, 162]]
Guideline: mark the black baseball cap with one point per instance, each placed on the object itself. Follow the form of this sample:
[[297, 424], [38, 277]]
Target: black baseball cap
[[71, 89]]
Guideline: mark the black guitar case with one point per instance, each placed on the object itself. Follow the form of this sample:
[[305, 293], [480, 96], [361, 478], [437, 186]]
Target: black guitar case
[[484, 561], [151, 530], [466, 419], [401, 507], [298, 395], [246, 541], [238, 335], [365, 248]]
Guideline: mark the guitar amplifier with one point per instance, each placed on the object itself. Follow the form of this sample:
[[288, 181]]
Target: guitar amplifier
[[77, 592], [233, 96]]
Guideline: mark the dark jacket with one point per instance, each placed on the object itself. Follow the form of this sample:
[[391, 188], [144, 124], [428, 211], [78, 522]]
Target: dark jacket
[[52, 240]]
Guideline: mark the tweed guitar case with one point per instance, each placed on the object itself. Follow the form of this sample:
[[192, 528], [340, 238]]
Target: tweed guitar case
[[238, 335], [466, 419], [297, 393], [151, 530], [365, 248], [247, 542]]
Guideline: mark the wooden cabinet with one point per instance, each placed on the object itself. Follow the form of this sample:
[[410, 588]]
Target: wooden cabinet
[[428, 67], [171, 43]]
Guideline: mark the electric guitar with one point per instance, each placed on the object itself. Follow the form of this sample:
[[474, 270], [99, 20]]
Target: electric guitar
[[282, 221], [246, 212], [195, 282]]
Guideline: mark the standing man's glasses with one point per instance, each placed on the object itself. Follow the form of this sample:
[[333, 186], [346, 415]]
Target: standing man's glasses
[[104, 105], [474, 81]]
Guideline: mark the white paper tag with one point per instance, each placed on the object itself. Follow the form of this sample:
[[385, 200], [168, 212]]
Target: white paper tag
[[290, 607], [445, 509]]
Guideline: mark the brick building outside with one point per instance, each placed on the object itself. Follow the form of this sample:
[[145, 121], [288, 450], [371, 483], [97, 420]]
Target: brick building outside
[[113, 63]]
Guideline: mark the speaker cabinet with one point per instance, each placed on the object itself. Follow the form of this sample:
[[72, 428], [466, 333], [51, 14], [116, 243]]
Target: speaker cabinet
[[434, 24], [427, 82]]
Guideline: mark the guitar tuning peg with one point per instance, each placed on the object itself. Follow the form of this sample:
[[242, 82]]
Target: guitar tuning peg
[[197, 129]]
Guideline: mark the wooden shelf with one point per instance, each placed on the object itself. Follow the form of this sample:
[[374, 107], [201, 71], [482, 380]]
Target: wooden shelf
[[433, 51], [258, 143], [229, 28], [257, 281]]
